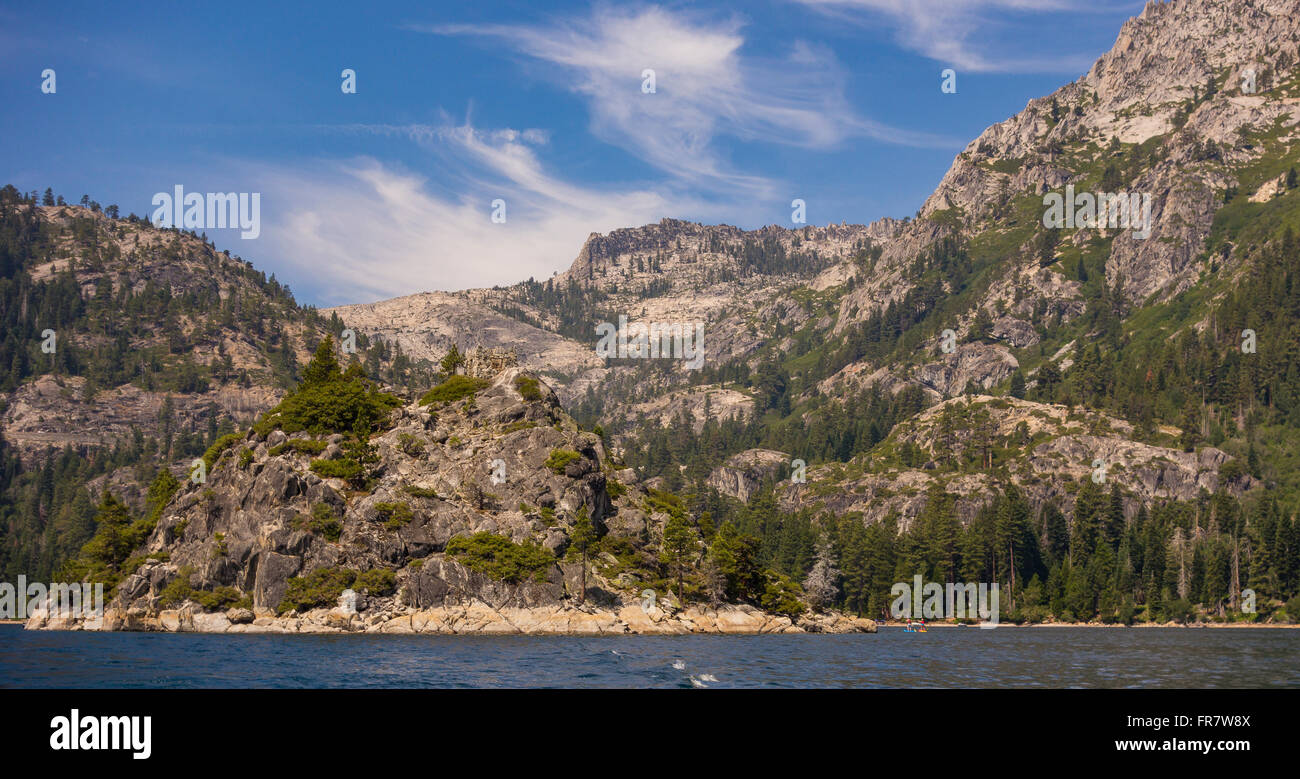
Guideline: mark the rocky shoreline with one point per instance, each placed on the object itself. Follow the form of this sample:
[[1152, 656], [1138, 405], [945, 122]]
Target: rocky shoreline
[[472, 619], [1274, 625]]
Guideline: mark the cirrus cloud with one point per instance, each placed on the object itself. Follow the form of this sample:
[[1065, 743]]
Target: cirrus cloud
[[362, 230], [707, 88], [943, 30]]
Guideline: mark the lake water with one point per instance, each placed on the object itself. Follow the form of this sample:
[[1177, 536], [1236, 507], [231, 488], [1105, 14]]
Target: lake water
[[942, 657]]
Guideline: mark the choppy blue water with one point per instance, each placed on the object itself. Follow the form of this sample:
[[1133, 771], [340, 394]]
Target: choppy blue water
[[942, 657]]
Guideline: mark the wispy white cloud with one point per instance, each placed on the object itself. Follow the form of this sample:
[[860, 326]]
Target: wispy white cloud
[[957, 32], [706, 88], [362, 230]]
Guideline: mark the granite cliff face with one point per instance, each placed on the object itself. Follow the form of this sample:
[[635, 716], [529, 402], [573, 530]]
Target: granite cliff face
[[1057, 449], [426, 325], [745, 472], [1202, 76]]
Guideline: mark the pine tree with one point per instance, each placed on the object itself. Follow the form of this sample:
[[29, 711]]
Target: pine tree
[[677, 550], [715, 582], [452, 361], [1056, 533], [822, 584], [1177, 564], [735, 555], [1083, 536], [324, 366], [1113, 522], [1017, 385]]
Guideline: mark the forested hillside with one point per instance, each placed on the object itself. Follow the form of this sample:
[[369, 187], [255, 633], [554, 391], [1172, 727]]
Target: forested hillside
[[128, 349]]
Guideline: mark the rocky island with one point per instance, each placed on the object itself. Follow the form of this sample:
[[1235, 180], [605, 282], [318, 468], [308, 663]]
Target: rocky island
[[308, 533]]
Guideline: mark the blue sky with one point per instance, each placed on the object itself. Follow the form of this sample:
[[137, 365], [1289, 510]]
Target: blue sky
[[389, 191]]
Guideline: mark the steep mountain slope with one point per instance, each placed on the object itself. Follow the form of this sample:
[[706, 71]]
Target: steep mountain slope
[[126, 348], [673, 272], [426, 325]]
